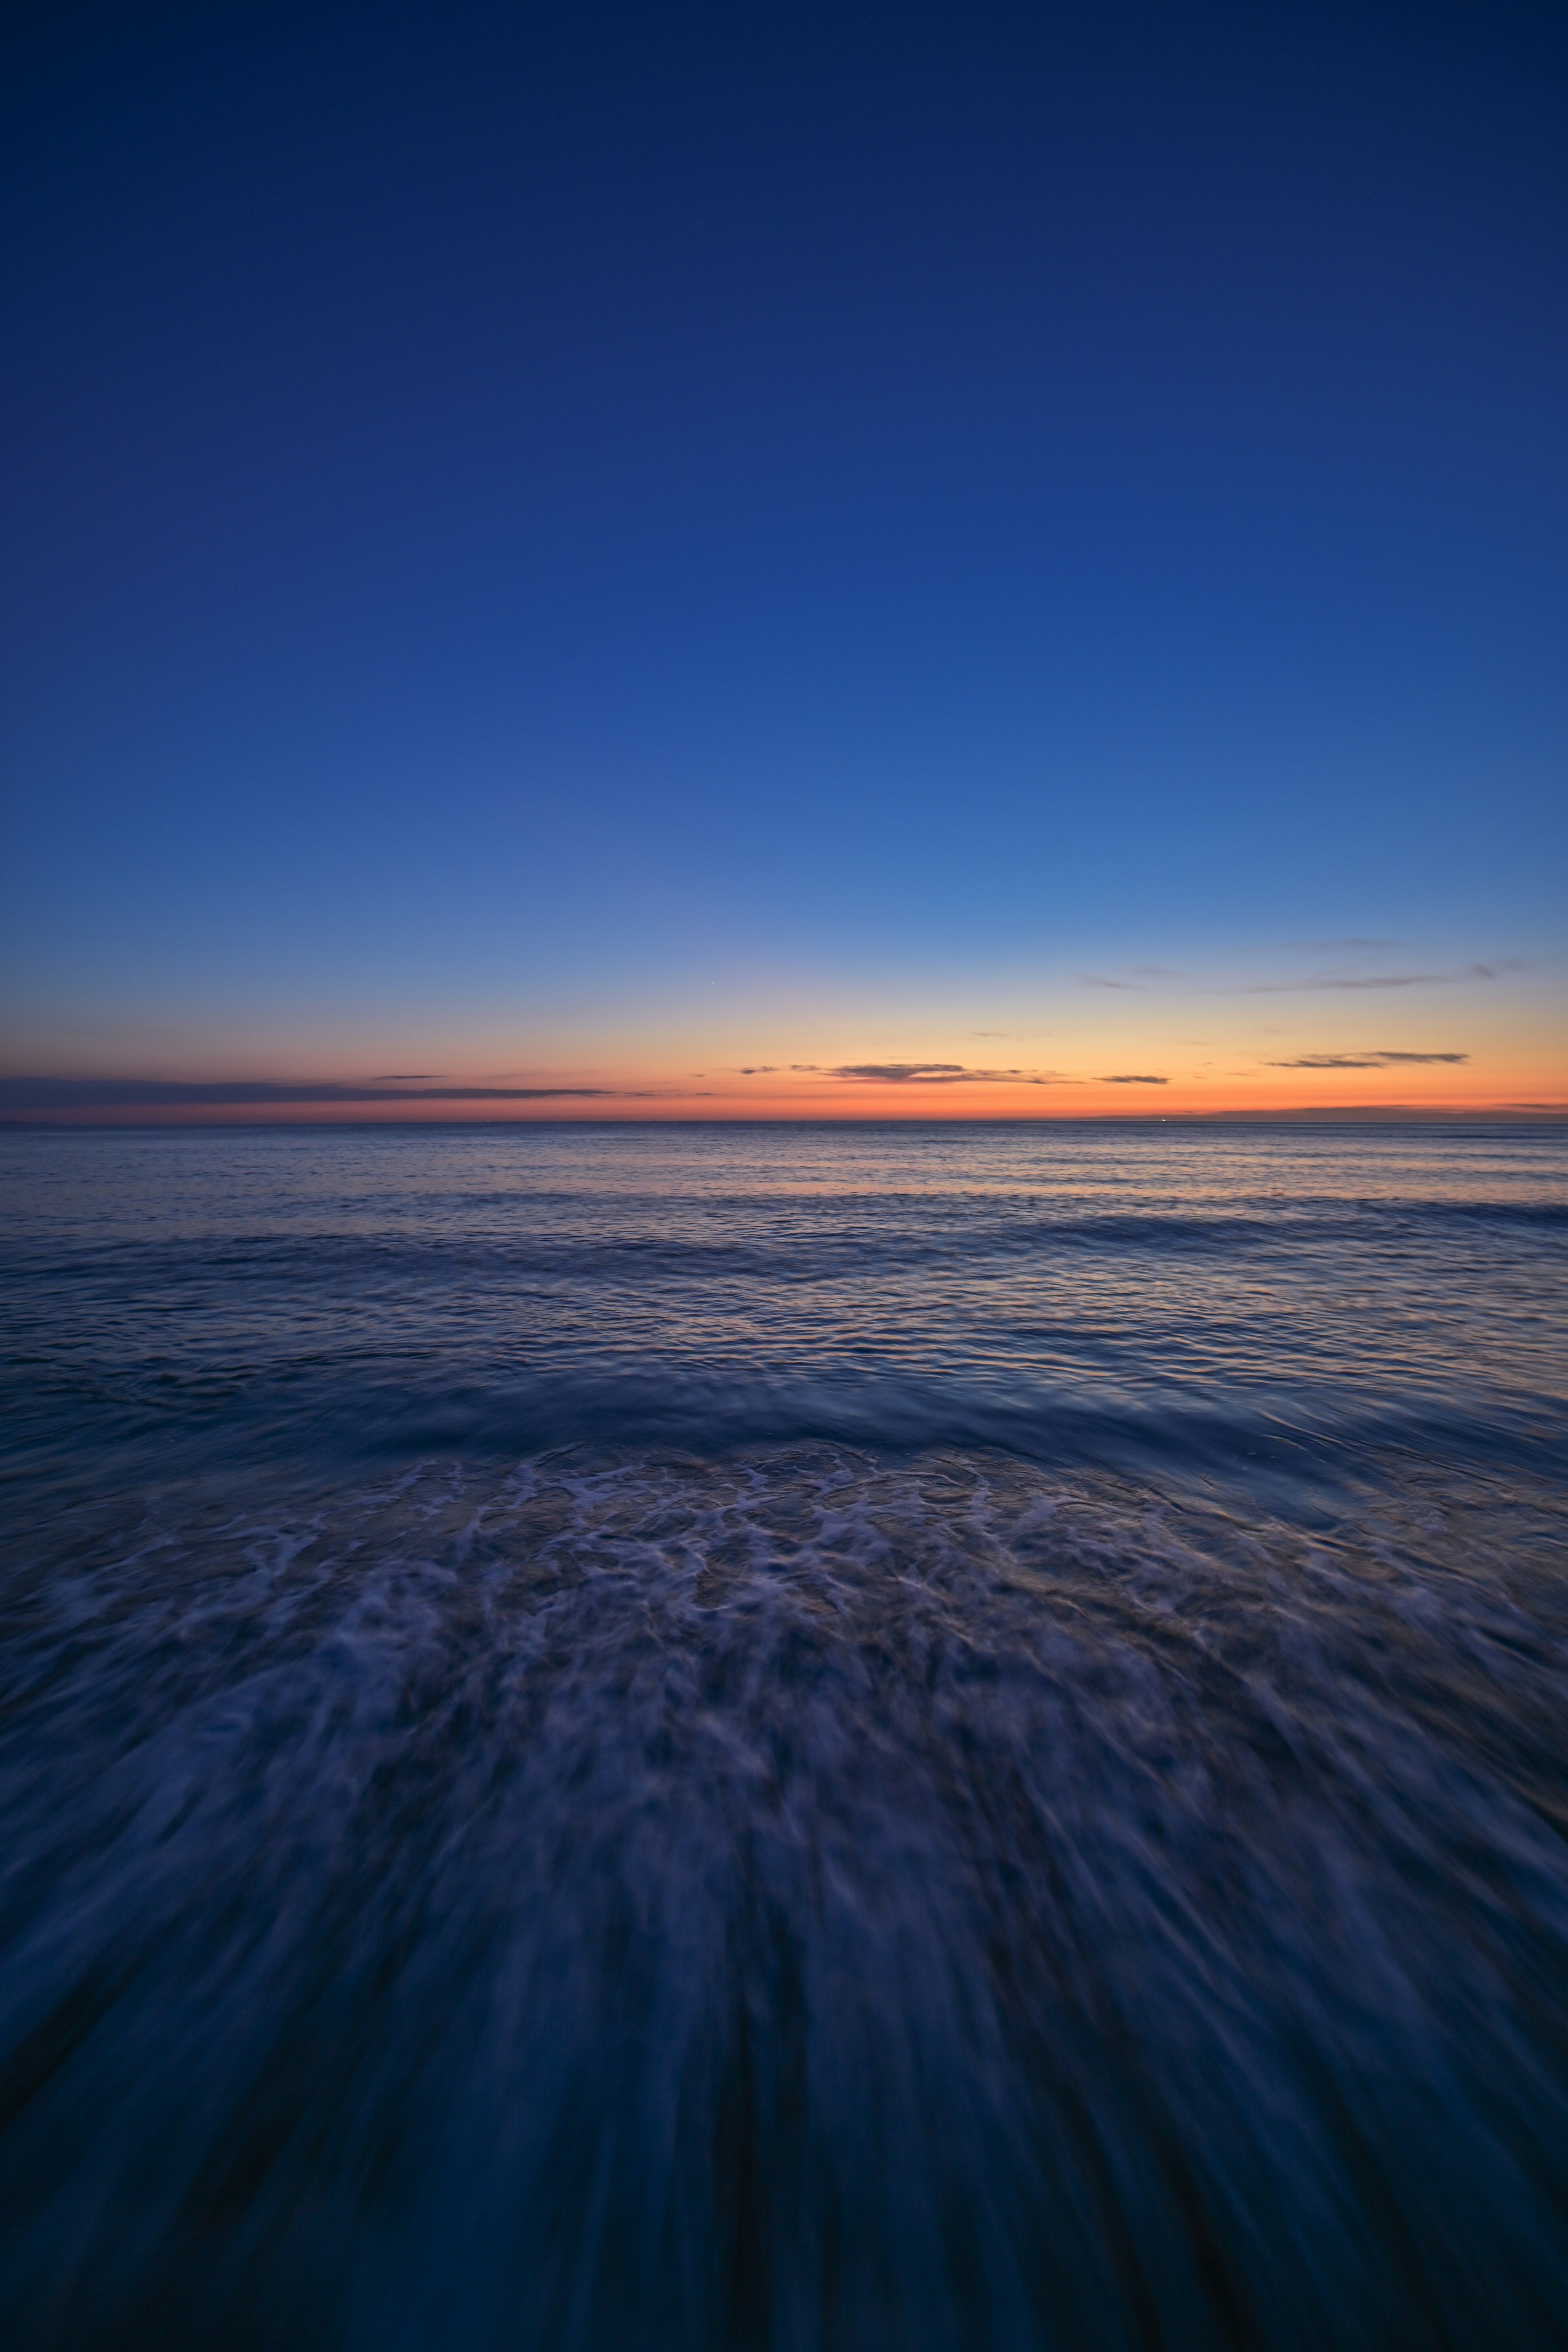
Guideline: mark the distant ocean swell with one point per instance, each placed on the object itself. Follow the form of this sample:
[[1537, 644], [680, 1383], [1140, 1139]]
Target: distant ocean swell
[[807, 1898], [912, 1233]]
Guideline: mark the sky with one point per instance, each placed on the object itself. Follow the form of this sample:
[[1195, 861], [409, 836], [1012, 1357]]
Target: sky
[[708, 562]]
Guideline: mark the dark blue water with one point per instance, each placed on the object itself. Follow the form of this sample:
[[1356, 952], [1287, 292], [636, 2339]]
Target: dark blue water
[[670, 1739]]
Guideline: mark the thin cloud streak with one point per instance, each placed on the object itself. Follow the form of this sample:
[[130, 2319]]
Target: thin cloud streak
[[169, 1094], [1377, 980], [1140, 979], [1380, 979], [1375, 1059]]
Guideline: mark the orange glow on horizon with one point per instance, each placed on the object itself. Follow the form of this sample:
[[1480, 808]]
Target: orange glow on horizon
[[846, 1099], [1042, 1052]]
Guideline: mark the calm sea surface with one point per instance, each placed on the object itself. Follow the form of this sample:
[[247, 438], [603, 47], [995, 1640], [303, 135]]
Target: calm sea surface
[[695, 1739]]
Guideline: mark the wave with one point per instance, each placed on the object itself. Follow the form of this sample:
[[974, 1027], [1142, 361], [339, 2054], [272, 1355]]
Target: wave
[[78, 1430], [793, 1246], [790, 1900]]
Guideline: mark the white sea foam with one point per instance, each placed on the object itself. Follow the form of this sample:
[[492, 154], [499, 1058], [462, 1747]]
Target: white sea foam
[[807, 1898]]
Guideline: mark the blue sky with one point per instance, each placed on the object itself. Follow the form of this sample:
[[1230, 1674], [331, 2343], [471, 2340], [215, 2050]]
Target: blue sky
[[530, 524]]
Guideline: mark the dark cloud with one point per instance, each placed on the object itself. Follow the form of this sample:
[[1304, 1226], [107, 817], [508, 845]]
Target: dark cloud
[[897, 1073], [172, 1093], [758, 1070], [1134, 1079], [942, 1074], [402, 1077], [1375, 1059]]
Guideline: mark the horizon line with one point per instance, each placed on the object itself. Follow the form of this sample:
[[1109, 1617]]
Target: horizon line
[[1319, 1114]]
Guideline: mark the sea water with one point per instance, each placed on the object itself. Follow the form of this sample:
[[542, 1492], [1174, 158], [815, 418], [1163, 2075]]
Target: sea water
[[666, 1739]]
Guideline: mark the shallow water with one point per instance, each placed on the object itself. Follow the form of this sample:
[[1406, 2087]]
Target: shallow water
[[785, 1738]]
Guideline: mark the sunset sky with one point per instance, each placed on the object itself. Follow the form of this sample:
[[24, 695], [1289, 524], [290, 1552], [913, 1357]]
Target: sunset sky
[[855, 561]]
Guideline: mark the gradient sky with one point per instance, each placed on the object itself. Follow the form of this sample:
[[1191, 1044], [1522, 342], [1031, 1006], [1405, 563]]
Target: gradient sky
[[940, 559]]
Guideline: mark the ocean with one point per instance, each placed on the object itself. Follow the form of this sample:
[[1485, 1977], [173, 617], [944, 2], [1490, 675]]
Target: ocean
[[757, 1739]]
